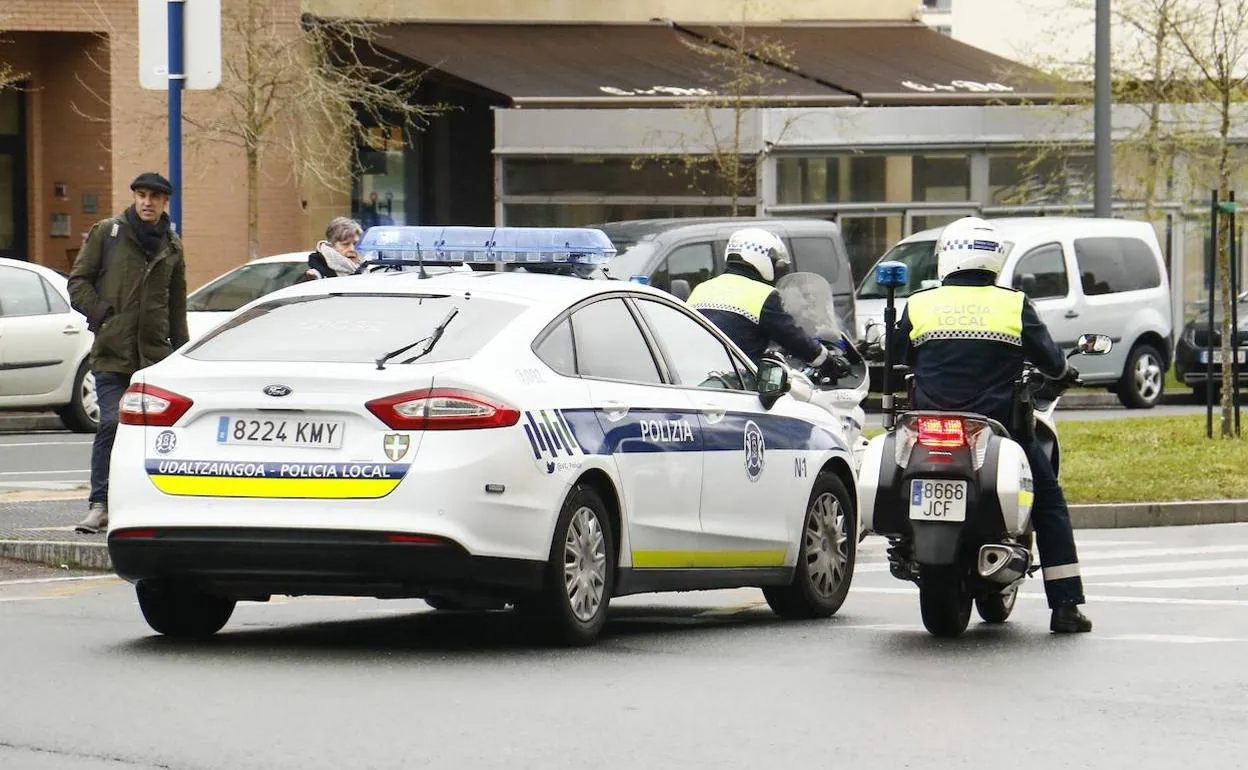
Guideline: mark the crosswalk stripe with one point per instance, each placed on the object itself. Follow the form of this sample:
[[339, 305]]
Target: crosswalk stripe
[[1191, 565], [1215, 581], [1209, 550]]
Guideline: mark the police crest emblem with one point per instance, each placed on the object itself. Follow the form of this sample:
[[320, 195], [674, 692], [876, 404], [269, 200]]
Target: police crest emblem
[[755, 449]]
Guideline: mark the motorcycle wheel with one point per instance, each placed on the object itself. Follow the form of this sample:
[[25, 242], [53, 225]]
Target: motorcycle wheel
[[996, 608], [943, 601]]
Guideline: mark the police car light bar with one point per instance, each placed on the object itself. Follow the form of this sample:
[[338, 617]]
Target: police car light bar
[[580, 246]]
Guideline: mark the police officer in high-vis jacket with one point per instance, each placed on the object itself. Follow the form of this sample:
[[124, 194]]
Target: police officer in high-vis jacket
[[746, 307], [966, 341]]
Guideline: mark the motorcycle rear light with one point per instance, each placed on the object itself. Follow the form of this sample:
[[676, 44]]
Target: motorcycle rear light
[[416, 539], [441, 409], [144, 404], [941, 432], [122, 534]]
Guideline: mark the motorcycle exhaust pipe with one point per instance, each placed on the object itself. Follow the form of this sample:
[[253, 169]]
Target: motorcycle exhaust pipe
[[1003, 563]]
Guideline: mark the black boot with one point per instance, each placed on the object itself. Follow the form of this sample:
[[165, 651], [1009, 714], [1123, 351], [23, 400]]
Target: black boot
[[1067, 619]]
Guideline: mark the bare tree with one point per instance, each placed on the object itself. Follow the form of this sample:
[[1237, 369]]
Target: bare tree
[[1213, 35], [312, 97], [9, 75]]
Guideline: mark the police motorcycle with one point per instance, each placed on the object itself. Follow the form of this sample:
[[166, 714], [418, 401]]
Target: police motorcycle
[[808, 298], [952, 491]]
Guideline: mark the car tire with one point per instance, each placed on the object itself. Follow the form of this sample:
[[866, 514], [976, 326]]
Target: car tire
[[1143, 378], [943, 601], [82, 413], [827, 549], [571, 606], [182, 611]]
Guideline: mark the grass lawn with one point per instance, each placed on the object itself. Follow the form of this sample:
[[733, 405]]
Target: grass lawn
[[1149, 459]]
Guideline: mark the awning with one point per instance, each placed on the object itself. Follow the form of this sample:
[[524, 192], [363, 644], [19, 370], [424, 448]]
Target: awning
[[654, 64], [588, 64], [896, 64]]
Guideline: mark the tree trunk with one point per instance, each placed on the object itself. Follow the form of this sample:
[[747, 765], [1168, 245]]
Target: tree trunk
[[1222, 269], [253, 200]]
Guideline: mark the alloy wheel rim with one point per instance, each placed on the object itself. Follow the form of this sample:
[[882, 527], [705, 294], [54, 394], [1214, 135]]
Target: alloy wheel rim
[[90, 402], [826, 545], [1148, 377], [585, 564]]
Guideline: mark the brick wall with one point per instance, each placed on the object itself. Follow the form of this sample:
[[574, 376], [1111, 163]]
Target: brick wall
[[125, 133]]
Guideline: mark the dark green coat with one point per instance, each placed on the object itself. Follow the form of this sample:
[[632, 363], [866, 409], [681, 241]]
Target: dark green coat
[[139, 313]]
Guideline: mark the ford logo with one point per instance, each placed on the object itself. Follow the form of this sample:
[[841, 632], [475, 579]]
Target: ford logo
[[277, 391]]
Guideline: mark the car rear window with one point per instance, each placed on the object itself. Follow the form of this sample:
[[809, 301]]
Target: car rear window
[[356, 328], [1111, 265]]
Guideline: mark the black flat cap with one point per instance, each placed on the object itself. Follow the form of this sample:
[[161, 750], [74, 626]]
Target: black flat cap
[[150, 180]]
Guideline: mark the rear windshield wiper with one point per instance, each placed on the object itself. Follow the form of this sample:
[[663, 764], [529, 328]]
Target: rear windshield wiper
[[429, 341]]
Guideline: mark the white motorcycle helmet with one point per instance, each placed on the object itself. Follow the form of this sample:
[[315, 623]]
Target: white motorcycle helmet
[[969, 243], [759, 249]]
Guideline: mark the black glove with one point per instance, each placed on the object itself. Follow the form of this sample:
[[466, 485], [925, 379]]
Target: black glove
[[98, 316], [1071, 378], [835, 366]]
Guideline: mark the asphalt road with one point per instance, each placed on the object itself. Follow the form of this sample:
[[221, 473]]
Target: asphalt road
[[62, 460], [685, 681]]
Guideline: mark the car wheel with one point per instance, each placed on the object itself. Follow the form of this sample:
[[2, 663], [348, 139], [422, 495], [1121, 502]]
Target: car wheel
[[82, 413], [1143, 378], [996, 608], [826, 553], [571, 606], [182, 611]]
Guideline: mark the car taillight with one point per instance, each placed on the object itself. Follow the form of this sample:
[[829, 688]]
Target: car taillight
[[143, 404], [441, 409], [941, 432]]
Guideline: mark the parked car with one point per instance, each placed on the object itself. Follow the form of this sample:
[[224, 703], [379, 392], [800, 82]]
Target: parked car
[[212, 303], [1122, 291], [1190, 356], [44, 346], [678, 254]]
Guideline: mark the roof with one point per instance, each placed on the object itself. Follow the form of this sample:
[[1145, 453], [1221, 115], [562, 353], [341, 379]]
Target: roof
[[825, 64], [635, 229]]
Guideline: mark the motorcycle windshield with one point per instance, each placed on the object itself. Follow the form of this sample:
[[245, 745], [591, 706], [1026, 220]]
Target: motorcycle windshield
[[808, 298]]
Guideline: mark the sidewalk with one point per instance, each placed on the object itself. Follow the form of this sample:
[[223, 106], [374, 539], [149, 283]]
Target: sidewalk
[[39, 527]]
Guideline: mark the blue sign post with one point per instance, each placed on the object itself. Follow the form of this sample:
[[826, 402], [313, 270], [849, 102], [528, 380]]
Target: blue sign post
[[177, 78]]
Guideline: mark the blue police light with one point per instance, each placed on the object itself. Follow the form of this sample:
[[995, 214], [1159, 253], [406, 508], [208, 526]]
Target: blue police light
[[892, 275], [644, 280], [579, 246]]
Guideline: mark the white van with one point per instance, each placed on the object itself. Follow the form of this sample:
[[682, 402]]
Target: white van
[[1123, 291]]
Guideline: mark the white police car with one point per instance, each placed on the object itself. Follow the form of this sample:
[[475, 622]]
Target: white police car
[[488, 437]]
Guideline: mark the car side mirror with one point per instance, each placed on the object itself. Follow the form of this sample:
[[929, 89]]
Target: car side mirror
[[681, 289], [1027, 284], [773, 381], [1093, 345]]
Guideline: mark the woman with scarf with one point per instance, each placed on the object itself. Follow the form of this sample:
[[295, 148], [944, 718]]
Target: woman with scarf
[[336, 255]]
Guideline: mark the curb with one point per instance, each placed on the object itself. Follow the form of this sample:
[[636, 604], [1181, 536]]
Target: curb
[[1108, 516], [30, 422], [56, 553], [1075, 401]]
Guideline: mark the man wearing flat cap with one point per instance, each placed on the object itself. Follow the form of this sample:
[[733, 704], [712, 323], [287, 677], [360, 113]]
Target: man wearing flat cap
[[130, 282]]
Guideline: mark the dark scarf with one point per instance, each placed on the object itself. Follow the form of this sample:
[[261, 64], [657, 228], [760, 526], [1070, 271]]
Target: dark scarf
[[151, 237]]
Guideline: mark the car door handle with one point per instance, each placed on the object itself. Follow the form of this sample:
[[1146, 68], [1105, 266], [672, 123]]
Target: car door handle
[[713, 414], [1071, 314], [615, 410], [71, 330]]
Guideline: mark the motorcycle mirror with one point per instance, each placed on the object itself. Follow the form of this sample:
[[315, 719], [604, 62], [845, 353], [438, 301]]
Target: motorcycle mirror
[[773, 381], [1093, 345], [873, 333]]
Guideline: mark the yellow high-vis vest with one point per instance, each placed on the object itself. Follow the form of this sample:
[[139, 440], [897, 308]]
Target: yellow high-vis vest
[[988, 313], [732, 294]]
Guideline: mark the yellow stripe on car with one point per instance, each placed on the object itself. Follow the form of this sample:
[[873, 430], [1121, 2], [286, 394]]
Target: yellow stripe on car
[[706, 559], [230, 486]]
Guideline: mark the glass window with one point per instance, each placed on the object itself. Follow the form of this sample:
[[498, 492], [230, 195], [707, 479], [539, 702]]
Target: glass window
[[609, 344], [693, 262], [918, 256], [21, 293], [696, 357], [816, 255], [10, 112], [244, 284], [56, 303], [582, 214], [356, 328], [1111, 265], [379, 191], [1027, 179], [868, 237], [557, 351], [1044, 269], [607, 175], [874, 178]]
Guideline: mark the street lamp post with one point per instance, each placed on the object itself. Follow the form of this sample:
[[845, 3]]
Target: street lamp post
[[1102, 115]]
